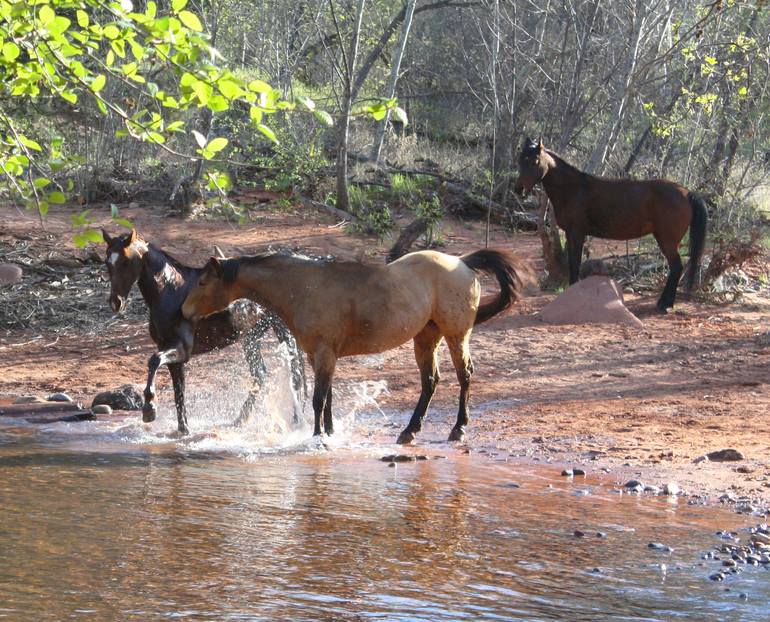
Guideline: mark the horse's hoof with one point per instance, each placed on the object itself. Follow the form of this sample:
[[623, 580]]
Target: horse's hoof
[[149, 413], [406, 438], [183, 430], [457, 435]]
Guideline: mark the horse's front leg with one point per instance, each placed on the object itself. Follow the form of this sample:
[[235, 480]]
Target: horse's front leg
[[323, 361], [164, 357], [425, 344], [178, 380], [575, 243], [253, 351]]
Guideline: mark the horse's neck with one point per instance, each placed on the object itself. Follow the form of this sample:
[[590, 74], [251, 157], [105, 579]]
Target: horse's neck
[[154, 278], [562, 179], [273, 283]]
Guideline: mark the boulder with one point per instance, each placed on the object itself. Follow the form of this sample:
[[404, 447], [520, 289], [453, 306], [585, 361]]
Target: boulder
[[127, 397], [594, 300]]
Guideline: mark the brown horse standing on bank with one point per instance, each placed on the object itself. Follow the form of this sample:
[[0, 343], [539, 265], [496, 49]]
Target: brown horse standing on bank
[[337, 309], [617, 209]]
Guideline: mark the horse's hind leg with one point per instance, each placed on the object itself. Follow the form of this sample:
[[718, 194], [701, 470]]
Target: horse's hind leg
[[461, 358], [575, 243], [178, 380], [297, 366], [253, 351], [328, 423], [671, 252], [425, 344]]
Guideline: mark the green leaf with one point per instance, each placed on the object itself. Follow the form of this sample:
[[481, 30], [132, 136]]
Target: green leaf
[[98, 83], [41, 182], [217, 144], [29, 143], [42, 207], [399, 115], [710, 60], [111, 31], [57, 197], [178, 5], [113, 210], [306, 102], [258, 86], [267, 132], [199, 138], [82, 18], [46, 15], [255, 114], [324, 117], [10, 51], [217, 103], [123, 222], [190, 20]]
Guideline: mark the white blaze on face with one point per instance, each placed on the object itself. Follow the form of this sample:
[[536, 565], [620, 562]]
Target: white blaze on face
[[113, 258]]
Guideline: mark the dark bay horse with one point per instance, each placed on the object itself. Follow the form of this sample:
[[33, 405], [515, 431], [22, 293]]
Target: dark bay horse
[[617, 209], [164, 283], [337, 309]]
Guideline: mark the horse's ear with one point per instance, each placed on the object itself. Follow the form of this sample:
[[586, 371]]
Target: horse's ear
[[528, 141], [219, 253], [540, 144], [106, 237], [214, 266], [133, 237]]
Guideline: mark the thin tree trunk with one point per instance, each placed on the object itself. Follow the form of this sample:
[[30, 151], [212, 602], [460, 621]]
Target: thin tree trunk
[[394, 70]]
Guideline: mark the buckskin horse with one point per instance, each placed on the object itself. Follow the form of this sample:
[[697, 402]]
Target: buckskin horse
[[164, 283], [337, 309], [617, 209]]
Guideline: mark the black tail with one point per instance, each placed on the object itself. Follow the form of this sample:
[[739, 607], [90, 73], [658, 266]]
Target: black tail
[[512, 273], [698, 224]]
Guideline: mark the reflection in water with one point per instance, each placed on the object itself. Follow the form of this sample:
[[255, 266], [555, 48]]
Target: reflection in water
[[105, 523]]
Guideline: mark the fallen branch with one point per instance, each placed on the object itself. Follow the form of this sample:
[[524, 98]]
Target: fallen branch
[[335, 211]]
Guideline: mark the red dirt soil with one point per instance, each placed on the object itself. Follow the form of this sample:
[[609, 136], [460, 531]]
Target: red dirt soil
[[642, 404]]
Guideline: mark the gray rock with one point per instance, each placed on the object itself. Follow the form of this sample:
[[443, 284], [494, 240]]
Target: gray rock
[[578, 472], [657, 546], [717, 576], [634, 485], [29, 399], [567, 473], [653, 489], [725, 455], [578, 534], [10, 273], [671, 489], [101, 409], [59, 397], [127, 397]]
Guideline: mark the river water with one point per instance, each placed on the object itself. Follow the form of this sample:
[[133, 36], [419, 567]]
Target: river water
[[115, 520]]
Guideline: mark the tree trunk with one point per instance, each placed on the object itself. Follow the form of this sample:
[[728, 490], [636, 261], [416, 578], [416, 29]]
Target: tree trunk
[[553, 253], [391, 92]]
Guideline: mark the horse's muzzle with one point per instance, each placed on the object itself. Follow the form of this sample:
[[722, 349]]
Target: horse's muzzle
[[117, 303]]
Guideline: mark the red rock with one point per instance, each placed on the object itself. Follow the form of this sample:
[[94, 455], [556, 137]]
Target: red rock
[[9, 273]]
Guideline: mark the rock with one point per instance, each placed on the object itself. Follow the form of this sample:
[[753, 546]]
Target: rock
[[596, 299], [671, 489], [29, 399], [634, 485], [127, 397], [761, 538], [717, 576], [578, 534], [652, 489], [59, 397], [392, 464], [700, 459], [744, 469], [578, 472], [743, 596], [601, 534], [403, 458], [101, 409], [657, 546], [388, 458], [10, 273], [725, 455], [421, 457], [567, 473], [729, 563]]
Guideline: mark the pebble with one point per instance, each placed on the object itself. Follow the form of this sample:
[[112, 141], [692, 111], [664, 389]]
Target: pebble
[[101, 409], [743, 596], [717, 576], [634, 485], [578, 534], [578, 472], [126, 397], [392, 464], [567, 473], [653, 489], [601, 534], [59, 397], [657, 546]]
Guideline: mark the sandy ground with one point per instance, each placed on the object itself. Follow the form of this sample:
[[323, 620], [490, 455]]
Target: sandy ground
[[641, 403]]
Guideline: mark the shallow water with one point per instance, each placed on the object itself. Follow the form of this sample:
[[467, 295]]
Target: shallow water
[[118, 521]]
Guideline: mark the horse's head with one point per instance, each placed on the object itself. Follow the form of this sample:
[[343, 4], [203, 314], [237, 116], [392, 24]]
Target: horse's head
[[124, 265], [533, 166], [215, 289]]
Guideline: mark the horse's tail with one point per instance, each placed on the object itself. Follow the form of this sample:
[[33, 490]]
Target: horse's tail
[[698, 222], [512, 273]]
